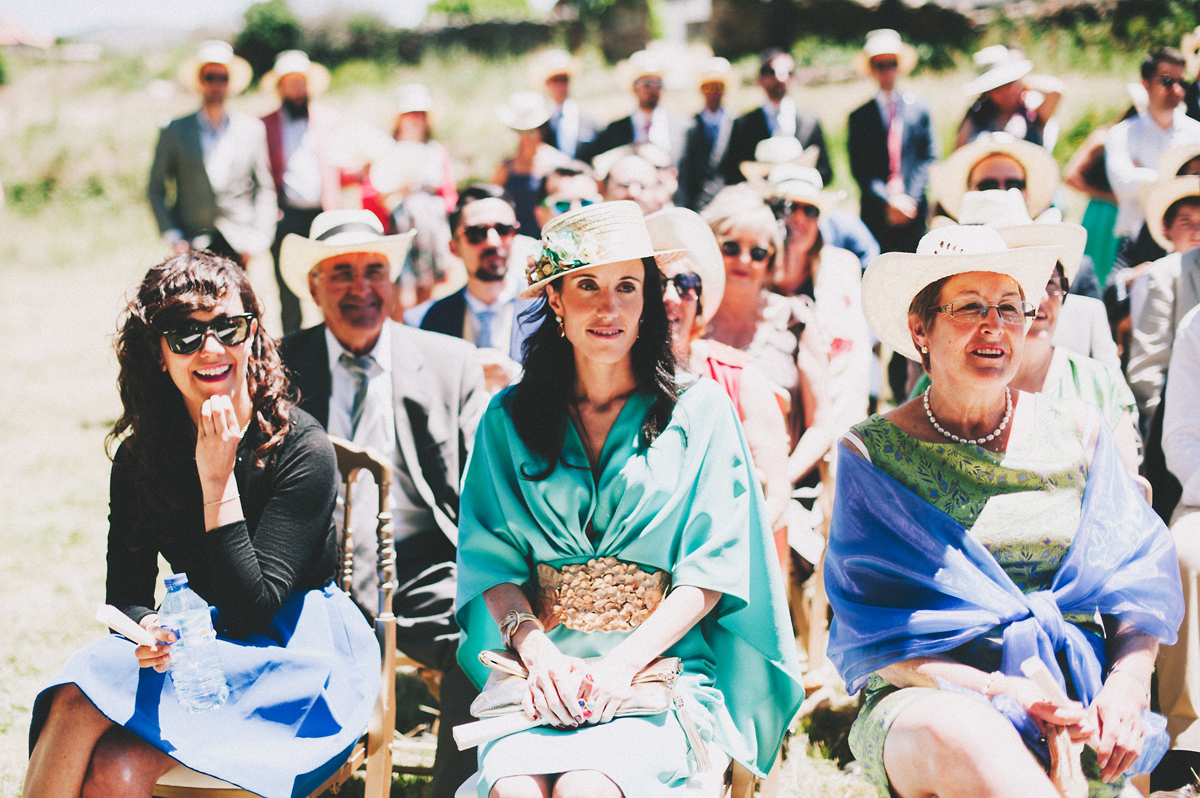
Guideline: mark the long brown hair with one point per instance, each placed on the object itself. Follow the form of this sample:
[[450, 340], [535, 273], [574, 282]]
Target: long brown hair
[[154, 420]]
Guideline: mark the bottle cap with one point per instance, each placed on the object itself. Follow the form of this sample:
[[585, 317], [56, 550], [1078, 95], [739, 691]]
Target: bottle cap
[[175, 580]]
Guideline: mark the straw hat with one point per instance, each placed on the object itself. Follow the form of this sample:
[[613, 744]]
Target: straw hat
[[715, 70], [642, 64], [216, 52], [525, 110], [1160, 195], [339, 233], [608, 232], [886, 41], [1189, 45], [1171, 161], [680, 228], [296, 62], [776, 150], [997, 66], [412, 97], [948, 179], [1005, 212], [401, 168], [893, 279], [550, 63], [802, 184]]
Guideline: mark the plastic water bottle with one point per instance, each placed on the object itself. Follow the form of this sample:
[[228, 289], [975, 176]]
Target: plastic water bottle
[[195, 662]]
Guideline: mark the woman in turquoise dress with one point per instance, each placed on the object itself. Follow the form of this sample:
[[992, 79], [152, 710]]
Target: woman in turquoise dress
[[610, 516], [1013, 534]]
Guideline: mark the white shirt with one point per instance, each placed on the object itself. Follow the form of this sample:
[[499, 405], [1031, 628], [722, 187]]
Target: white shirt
[[219, 149], [377, 429], [1131, 157], [1181, 416], [565, 121], [302, 175]]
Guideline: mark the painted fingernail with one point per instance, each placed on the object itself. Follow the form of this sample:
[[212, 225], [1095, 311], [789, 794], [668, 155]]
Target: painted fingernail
[[587, 713], [589, 678]]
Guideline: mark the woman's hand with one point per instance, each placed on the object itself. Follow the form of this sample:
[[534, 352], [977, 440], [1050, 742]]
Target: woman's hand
[[554, 682], [1117, 712], [217, 439], [157, 657], [604, 688], [1070, 714]]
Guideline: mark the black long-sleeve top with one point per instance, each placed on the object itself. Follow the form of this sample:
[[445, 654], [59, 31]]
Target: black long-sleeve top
[[246, 569]]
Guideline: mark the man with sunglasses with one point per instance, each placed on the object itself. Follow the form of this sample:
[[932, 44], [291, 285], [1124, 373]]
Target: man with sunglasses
[[778, 116], [416, 398], [648, 122], [486, 312], [215, 164]]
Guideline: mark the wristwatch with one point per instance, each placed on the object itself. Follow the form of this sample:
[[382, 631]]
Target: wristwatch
[[512, 621]]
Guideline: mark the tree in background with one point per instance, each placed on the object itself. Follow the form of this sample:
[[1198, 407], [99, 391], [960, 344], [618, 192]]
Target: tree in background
[[271, 28]]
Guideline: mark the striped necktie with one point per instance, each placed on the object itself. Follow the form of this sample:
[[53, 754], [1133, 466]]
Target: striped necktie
[[358, 368]]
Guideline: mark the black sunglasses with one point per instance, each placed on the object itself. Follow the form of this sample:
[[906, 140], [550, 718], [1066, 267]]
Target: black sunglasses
[[884, 65], [478, 233], [784, 207], [687, 284], [189, 337], [214, 77], [992, 184], [1168, 82], [733, 249]]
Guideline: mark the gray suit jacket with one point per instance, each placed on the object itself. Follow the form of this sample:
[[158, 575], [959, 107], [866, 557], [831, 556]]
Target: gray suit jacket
[[241, 205], [1173, 286]]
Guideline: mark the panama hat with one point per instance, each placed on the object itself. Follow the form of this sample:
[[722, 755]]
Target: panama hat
[[550, 63], [1160, 195], [413, 97], [948, 179], [886, 41], [642, 64], [335, 233], [296, 62], [1189, 45], [893, 279], [794, 183], [776, 150], [1005, 211], [714, 70], [607, 232], [1174, 159], [683, 229], [525, 110], [997, 66], [216, 52]]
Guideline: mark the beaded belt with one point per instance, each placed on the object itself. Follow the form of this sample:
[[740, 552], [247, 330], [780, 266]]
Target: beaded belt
[[601, 595]]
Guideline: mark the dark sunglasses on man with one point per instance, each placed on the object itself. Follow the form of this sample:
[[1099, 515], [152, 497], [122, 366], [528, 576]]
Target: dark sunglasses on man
[[478, 233], [783, 208], [563, 205], [687, 284], [189, 336], [733, 249], [1170, 82]]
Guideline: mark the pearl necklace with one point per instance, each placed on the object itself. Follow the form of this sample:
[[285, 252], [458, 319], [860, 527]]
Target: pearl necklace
[[977, 441]]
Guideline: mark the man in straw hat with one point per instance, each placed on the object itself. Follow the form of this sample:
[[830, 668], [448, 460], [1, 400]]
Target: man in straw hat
[[707, 139], [216, 164], [891, 146], [569, 129], [778, 116], [299, 140], [415, 397], [648, 122]]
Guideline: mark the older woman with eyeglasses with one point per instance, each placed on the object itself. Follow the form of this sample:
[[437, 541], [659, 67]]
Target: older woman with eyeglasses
[[999, 585]]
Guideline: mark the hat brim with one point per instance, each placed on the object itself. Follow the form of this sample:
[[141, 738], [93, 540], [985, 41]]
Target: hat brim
[[683, 228], [1071, 237], [1171, 161], [316, 75], [824, 201], [662, 257], [906, 59], [299, 255], [521, 121], [240, 74], [759, 170], [1001, 75], [893, 279], [1157, 197], [948, 179]]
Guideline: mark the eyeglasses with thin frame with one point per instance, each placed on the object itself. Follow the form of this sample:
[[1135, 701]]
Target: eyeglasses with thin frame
[[687, 284], [994, 184], [973, 311], [733, 249], [342, 274], [563, 205], [189, 336], [215, 77], [478, 233]]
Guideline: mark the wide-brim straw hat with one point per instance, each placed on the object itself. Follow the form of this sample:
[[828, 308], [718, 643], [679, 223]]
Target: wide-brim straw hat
[[714, 70], [948, 179], [608, 232], [642, 64], [335, 233], [886, 41], [1005, 212], [1189, 45], [292, 62], [776, 150], [998, 67], [525, 110], [401, 168], [801, 184], [413, 97], [549, 63], [216, 52], [893, 279], [1160, 195], [1171, 161], [680, 228]]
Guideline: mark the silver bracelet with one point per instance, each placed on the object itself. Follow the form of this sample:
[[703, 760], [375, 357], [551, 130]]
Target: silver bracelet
[[1118, 669], [222, 501]]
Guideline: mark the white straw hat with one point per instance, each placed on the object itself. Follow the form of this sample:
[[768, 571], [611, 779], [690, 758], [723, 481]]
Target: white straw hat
[[525, 110], [608, 232], [334, 233], [683, 229], [412, 97], [1005, 211], [893, 279], [802, 184], [1174, 159], [948, 178], [998, 66], [549, 63], [715, 70], [291, 62], [776, 150], [886, 41], [642, 64], [216, 52], [1160, 195]]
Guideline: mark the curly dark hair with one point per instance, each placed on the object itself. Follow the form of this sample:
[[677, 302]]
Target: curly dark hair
[[538, 403], [154, 422]]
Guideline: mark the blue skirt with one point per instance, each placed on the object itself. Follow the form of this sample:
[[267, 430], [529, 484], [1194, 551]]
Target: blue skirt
[[300, 695]]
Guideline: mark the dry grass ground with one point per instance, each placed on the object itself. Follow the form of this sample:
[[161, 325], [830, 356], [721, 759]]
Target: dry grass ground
[[65, 266]]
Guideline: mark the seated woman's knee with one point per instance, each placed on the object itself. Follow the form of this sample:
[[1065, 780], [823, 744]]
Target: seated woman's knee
[[585, 784], [123, 764], [521, 787], [960, 728]]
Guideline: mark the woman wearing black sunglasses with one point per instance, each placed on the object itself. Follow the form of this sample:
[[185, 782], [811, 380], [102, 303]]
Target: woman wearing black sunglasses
[[222, 475]]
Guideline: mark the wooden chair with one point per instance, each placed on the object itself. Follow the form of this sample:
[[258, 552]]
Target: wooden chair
[[374, 750]]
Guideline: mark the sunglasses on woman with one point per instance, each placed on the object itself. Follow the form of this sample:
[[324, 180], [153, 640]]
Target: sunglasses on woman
[[478, 233], [733, 249], [687, 284], [189, 337], [992, 184], [782, 208]]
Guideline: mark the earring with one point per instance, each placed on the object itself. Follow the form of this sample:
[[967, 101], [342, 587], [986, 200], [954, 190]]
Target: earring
[[924, 350], [561, 332]]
